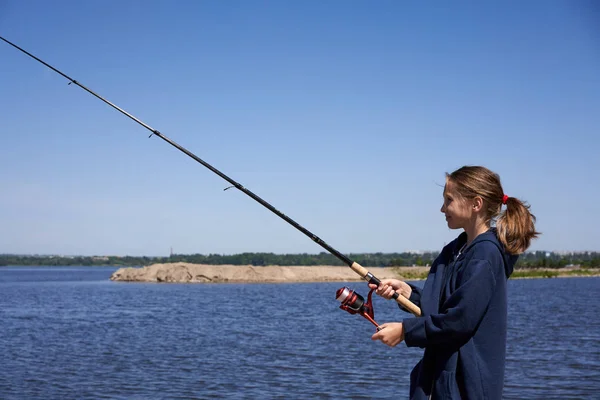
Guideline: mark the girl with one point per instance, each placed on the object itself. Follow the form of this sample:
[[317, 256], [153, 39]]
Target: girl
[[463, 301]]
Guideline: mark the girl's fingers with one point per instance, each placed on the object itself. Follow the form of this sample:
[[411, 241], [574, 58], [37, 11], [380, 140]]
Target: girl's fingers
[[378, 335], [385, 291], [388, 293]]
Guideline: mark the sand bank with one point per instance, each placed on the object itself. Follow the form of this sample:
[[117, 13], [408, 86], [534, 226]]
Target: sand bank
[[200, 273]]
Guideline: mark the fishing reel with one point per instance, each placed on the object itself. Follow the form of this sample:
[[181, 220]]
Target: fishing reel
[[354, 303]]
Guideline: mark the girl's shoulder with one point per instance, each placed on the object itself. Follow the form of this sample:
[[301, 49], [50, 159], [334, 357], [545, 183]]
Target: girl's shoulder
[[489, 251], [486, 250], [486, 246]]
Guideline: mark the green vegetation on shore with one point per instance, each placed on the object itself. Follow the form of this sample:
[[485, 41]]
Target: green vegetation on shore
[[529, 260], [419, 274], [548, 273]]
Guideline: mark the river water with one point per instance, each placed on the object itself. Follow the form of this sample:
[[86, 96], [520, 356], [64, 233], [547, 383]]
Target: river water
[[71, 333]]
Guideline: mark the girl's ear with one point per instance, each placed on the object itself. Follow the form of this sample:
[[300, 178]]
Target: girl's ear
[[477, 204]]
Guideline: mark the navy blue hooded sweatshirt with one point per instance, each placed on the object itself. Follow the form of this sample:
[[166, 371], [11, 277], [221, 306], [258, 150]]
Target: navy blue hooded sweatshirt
[[463, 322]]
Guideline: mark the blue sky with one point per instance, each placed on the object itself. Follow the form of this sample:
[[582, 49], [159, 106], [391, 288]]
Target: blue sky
[[343, 115]]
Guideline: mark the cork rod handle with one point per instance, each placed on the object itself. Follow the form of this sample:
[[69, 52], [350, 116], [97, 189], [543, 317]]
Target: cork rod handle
[[403, 301]]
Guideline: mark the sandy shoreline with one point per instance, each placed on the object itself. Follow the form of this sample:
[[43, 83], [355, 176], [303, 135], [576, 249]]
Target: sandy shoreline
[[200, 273]]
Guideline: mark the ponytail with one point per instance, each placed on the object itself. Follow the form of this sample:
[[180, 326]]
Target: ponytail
[[516, 226]]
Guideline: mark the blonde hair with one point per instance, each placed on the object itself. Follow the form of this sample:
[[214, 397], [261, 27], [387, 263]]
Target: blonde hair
[[515, 225]]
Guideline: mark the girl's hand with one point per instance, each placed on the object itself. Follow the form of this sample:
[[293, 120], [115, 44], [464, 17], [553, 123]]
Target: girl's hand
[[391, 333], [387, 287]]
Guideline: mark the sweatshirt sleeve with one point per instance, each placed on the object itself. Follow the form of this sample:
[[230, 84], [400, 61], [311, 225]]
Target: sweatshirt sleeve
[[464, 309], [415, 297]]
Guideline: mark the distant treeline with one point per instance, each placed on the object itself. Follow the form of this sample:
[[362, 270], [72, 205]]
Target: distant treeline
[[537, 259]]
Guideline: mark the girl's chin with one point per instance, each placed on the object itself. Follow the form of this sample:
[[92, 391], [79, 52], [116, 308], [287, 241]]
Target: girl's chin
[[451, 225]]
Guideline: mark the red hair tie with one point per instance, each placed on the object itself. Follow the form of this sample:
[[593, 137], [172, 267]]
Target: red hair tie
[[504, 199]]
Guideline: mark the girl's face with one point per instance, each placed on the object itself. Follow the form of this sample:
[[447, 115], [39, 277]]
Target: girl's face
[[456, 209]]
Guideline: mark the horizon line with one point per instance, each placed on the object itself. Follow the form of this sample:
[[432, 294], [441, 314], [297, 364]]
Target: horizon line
[[561, 252]]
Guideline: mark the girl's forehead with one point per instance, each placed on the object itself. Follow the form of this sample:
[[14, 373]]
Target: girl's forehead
[[449, 187]]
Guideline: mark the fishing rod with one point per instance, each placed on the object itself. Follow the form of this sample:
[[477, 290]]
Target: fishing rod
[[356, 267]]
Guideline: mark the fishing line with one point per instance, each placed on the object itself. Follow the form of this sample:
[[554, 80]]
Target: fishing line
[[359, 269]]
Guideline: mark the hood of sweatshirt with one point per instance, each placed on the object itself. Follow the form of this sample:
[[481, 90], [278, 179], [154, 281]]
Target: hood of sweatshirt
[[490, 236]]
